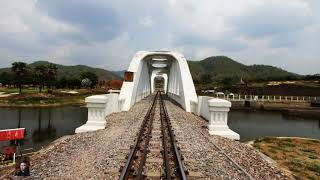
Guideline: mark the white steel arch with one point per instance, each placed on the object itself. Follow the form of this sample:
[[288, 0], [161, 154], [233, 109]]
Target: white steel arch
[[154, 76], [145, 65]]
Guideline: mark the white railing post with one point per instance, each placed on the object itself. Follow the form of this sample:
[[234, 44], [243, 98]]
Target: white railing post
[[194, 107], [96, 113], [218, 122]]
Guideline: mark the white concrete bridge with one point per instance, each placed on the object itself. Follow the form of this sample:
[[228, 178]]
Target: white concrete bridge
[[139, 82]]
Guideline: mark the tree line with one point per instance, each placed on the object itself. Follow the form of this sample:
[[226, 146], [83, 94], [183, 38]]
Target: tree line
[[45, 76], [207, 79]]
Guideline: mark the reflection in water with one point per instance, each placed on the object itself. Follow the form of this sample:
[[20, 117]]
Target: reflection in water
[[43, 125], [44, 134]]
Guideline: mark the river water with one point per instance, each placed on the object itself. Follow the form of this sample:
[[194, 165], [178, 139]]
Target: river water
[[255, 124], [44, 125]]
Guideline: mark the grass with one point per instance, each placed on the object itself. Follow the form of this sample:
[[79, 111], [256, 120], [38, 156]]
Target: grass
[[31, 97], [300, 156], [16, 90]]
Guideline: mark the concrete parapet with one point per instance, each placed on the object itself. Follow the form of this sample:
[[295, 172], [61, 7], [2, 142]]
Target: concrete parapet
[[218, 121], [98, 107]]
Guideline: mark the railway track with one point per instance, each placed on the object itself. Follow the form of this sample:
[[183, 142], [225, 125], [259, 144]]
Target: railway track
[[147, 158], [214, 147], [155, 153]]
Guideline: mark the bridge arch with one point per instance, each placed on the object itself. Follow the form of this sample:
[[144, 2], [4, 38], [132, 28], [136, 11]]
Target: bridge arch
[[146, 65], [156, 75]]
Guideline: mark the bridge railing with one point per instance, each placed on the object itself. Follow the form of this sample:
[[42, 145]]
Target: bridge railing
[[239, 97], [194, 107]]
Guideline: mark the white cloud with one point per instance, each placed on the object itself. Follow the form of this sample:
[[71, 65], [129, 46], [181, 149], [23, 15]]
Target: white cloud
[[107, 33], [146, 21]]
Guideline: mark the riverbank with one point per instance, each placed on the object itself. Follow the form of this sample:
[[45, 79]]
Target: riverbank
[[297, 109], [300, 156], [48, 99]]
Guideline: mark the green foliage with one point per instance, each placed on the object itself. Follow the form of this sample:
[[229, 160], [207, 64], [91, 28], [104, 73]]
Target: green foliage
[[295, 165], [73, 71], [226, 72], [20, 71], [314, 167], [6, 78], [91, 76], [76, 71], [205, 78], [46, 75], [43, 73]]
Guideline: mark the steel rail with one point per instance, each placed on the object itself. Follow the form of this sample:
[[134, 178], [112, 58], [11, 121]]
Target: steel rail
[[145, 146], [127, 167], [176, 153], [165, 152], [226, 155]]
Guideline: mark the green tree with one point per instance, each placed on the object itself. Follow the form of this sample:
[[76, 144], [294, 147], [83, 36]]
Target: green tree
[[46, 75], [41, 73], [74, 83], [52, 75], [205, 78], [92, 76], [20, 70], [62, 83], [6, 78]]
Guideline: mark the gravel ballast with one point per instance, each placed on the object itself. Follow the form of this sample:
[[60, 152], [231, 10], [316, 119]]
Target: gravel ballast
[[99, 154], [208, 160]]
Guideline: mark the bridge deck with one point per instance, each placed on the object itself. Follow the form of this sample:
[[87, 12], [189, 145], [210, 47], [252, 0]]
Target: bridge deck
[[100, 154]]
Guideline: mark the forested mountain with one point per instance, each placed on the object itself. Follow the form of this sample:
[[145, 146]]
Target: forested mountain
[[215, 69], [222, 69], [73, 71]]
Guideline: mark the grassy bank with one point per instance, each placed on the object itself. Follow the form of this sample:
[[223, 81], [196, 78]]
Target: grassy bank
[[299, 156], [59, 97]]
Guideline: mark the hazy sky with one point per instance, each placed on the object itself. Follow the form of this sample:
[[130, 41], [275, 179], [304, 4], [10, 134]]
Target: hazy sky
[[106, 34]]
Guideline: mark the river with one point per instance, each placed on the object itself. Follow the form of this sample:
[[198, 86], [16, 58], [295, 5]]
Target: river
[[255, 124], [43, 125]]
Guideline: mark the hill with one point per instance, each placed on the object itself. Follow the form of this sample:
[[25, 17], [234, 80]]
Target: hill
[[119, 73], [74, 71], [222, 68]]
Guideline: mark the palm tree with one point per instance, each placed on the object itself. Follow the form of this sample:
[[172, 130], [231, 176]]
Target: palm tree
[[52, 74], [41, 72], [46, 73], [20, 70]]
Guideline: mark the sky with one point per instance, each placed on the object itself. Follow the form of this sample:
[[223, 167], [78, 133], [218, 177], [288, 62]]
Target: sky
[[106, 34]]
